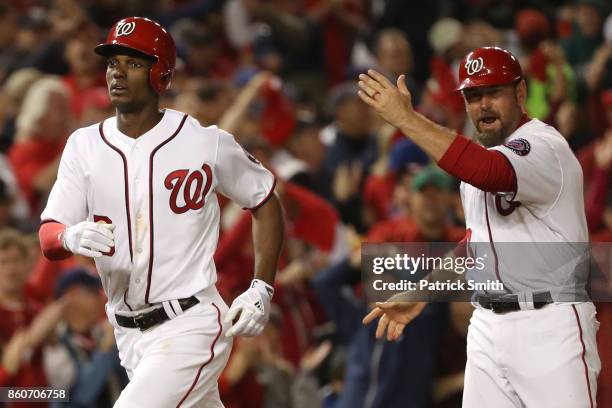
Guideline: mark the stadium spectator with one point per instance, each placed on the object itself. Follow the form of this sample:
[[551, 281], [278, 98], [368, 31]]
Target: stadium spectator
[[335, 287], [14, 90], [549, 77], [83, 359], [394, 57], [26, 325], [86, 71], [43, 125], [586, 35], [352, 150]]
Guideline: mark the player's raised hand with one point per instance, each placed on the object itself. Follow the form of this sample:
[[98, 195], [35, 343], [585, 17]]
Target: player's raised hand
[[252, 309], [394, 316], [88, 238], [393, 103]]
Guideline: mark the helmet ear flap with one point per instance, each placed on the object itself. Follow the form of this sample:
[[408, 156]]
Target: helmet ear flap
[[159, 78]]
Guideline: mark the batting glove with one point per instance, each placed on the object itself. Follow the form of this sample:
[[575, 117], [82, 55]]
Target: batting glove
[[89, 238], [254, 309]]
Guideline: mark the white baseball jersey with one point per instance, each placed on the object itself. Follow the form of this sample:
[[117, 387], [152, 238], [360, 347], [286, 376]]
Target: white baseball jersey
[[535, 239], [159, 191], [546, 210]]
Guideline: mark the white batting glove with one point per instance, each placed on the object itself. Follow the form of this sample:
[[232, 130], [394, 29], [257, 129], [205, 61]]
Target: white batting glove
[[254, 309], [88, 238]]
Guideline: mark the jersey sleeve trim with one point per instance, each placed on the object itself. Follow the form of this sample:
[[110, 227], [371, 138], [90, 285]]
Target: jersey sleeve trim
[[47, 220], [266, 198]]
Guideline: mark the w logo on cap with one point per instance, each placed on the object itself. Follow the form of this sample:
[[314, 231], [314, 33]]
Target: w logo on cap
[[125, 28], [474, 66]]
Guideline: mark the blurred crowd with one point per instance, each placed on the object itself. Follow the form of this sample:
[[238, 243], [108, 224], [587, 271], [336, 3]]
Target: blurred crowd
[[281, 76]]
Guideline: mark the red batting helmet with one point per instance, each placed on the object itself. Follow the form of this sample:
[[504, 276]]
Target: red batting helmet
[[487, 66], [148, 38]]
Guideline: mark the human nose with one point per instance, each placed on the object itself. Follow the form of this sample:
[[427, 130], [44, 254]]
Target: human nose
[[117, 71], [485, 102]]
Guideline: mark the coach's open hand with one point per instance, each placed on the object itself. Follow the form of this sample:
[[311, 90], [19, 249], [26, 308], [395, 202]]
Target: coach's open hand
[[394, 316], [392, 103]]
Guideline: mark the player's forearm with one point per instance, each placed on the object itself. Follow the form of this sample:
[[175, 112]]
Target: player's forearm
[[268, 234]]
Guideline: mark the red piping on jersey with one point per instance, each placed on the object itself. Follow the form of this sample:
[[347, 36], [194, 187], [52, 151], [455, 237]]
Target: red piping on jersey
[[212, 355], [126, 193], [150, 273], [586, 370], [487, 170], [125, 300], [492, 243], [265, 200]]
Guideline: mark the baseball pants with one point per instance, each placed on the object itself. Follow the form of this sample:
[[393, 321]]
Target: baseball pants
[[533, 358], [176, 363]]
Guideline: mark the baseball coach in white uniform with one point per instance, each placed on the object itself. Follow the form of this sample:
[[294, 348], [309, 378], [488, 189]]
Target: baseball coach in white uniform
[[533, 344]]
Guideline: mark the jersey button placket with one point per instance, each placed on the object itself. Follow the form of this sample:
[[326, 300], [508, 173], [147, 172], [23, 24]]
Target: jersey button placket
[[140, 175]]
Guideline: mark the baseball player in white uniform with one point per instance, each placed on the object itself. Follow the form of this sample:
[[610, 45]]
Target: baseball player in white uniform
[[137, 193], [533, 344]]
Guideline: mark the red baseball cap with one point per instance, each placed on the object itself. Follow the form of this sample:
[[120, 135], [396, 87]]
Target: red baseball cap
[[488, 66]]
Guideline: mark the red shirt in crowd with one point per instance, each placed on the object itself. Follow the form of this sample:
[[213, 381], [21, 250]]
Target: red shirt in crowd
[[28, 158], [79, 96], [31, 373]]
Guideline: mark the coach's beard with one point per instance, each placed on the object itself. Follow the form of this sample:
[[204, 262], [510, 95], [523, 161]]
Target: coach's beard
[[492, 138]]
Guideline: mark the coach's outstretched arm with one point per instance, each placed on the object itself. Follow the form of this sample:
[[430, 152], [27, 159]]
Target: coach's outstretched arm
[[253, 306], [487, 170]]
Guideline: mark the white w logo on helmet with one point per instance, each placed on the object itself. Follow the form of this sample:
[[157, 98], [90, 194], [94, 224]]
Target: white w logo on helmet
[[474, 66], [124, 28]]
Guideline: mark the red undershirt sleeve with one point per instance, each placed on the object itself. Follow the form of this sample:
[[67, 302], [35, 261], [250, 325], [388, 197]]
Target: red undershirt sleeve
[[486, 170], [50, 241]]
